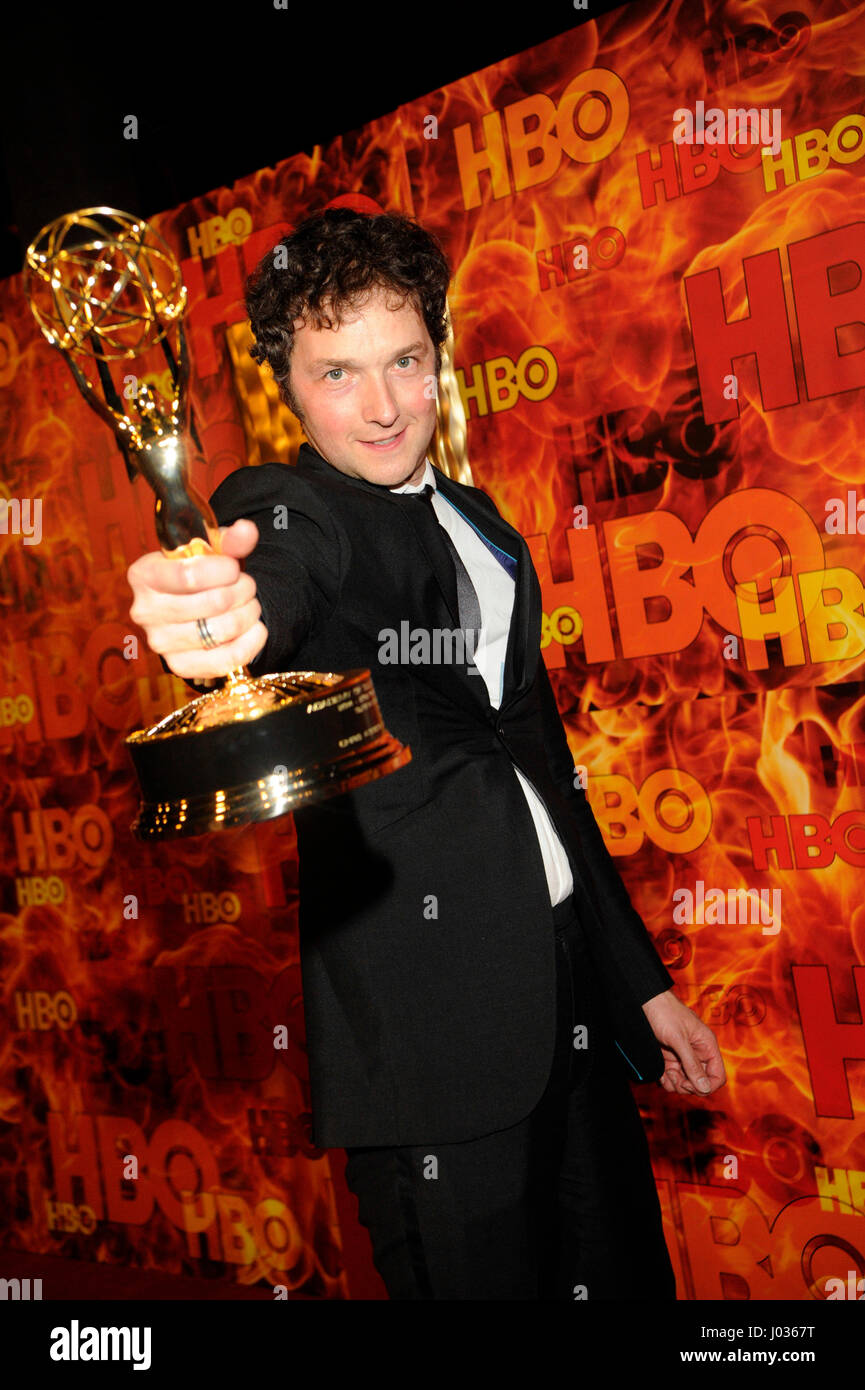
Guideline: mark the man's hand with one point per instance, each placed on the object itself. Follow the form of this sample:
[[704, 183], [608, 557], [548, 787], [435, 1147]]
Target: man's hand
[[171, 594], [694, 1065]]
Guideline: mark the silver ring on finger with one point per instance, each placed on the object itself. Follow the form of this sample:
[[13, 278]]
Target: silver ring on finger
[[204, 633]]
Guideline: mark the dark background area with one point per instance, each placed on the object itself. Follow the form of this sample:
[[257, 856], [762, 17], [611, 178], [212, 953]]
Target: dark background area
[[219, 90]]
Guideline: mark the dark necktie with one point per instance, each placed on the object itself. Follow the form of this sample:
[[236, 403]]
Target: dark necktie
[[440, 543]]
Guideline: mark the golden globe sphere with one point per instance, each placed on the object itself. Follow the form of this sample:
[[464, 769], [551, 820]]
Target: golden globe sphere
[[103, 283]]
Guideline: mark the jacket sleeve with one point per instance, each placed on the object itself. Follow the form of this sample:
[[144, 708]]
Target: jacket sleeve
[[626, 934], [297, 562]]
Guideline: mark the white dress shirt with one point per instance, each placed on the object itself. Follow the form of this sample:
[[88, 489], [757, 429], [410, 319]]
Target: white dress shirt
[[495, 590]]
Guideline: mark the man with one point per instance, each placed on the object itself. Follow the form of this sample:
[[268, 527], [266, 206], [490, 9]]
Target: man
[[479, 991]]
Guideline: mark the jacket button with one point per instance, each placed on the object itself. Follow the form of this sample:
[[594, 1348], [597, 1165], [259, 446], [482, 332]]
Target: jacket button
[[500, 729]]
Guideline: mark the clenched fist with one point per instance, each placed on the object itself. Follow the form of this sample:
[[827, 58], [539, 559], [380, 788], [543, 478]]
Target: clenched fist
[[170, 594]]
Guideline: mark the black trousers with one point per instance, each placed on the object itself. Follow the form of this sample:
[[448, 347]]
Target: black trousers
[[561, 1206]]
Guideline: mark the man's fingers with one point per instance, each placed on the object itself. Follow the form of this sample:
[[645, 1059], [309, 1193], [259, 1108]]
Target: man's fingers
[[227, 613], [694, 1080], [675, 1077], [218, 661], [154, 608], [240, 539], [693, 1067], [715, 1069], [228, 626], [172, 596], [157, 573], [164, 574]]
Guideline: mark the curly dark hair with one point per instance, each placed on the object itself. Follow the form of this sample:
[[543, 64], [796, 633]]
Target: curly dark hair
[[330, 262]]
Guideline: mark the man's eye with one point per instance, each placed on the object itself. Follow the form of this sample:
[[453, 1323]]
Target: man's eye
[[406, 359], [332, 370]]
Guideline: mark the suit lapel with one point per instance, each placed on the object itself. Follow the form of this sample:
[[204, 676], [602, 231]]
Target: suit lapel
[[523, 647], [445, 576], [521, 657]]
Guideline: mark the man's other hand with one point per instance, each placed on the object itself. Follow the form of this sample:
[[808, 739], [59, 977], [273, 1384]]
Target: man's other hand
[[694, 1065]]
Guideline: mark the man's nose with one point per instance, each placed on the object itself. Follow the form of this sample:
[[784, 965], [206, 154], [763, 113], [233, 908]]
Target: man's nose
[[378, 401]]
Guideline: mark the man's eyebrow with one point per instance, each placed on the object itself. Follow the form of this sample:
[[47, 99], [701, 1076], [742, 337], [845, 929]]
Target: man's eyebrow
[[347, 362]]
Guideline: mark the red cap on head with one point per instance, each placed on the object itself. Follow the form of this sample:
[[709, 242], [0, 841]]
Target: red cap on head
[[358, 202]]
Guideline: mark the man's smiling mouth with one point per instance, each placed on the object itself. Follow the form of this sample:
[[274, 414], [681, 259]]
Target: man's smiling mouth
[[381, 444]]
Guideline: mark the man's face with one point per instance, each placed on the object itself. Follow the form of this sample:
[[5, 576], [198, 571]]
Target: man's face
[[367, 380]]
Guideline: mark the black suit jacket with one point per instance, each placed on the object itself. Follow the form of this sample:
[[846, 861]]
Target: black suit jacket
[[426, 935]]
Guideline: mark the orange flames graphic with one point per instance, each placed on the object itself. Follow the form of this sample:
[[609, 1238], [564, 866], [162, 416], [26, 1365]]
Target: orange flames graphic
[[730, 741]]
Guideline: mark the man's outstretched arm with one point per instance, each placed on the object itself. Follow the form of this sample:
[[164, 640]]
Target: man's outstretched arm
[[293, 571]]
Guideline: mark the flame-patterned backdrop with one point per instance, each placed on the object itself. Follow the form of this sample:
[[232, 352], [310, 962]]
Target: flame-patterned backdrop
[[661, 355]]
